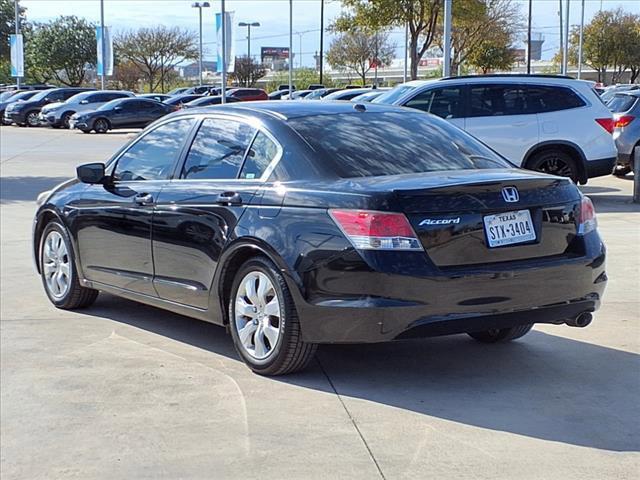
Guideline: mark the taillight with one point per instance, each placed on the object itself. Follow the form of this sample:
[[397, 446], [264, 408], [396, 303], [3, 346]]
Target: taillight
[[370, 230], [623, 121], [587, 221], [606, 123]]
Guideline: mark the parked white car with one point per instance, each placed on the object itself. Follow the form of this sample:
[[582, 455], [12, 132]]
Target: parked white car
[[549, 123]]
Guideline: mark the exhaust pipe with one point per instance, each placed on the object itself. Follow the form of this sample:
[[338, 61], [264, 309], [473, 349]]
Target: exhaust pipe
[[580, 321]]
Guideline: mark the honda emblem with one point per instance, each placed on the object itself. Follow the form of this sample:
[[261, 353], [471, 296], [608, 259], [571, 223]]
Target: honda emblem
[[510, 194]]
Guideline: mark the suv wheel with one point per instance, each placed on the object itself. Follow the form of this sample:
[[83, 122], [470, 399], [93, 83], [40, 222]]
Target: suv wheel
[[64, 121], [58, 271], [555, 162], [32, 119], [264, 322], [501, 335]]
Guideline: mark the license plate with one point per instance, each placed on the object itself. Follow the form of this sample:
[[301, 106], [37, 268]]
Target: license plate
[[509, 228]]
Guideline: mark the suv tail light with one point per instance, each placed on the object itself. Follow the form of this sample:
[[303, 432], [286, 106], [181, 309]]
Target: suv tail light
[[623, 121], [587, 221], [606, 123], [371, 230]]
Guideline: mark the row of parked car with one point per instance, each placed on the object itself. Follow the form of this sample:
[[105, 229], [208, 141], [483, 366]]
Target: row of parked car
[[549, 123]]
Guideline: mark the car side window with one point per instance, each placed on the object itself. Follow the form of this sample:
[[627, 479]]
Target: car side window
[[154, 155], [497, 100], [263, 150], [443, 102], [547, 98], [217, 150]]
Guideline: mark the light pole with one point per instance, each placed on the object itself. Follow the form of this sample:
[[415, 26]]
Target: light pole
[[17, 33], [249, 25], [446, 68], [200, 6]]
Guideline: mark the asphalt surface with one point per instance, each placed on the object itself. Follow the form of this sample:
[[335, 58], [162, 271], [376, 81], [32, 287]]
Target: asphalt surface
[[124, 391]]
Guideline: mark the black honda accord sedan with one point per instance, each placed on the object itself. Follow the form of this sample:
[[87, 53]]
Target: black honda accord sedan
[[297, 223]]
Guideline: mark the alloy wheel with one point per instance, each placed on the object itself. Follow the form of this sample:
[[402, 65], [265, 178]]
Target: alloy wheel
[[257, 315], [32, 119], [56, 265], [556, 166], [101, 126]]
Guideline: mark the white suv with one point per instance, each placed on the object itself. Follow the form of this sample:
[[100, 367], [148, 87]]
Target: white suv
[[548, 123]]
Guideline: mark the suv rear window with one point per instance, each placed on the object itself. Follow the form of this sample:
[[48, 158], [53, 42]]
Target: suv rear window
[[546, 98], [621, 103], [392, 143]]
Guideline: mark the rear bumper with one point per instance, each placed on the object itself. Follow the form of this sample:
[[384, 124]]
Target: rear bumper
[[384, 307], [600, 167]]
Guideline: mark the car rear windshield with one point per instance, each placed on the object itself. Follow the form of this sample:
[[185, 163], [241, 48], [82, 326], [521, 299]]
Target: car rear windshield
[[392, 143], [621, 103]]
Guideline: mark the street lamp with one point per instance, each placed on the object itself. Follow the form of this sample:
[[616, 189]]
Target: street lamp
[[249, 25], [200, 6]]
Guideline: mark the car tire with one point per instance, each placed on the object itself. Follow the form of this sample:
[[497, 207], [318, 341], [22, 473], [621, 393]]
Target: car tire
[[501, 335], [32, 119], [555, 162], [621, 171], [58, 271], [101, 125], [260, 289], [64, 120]]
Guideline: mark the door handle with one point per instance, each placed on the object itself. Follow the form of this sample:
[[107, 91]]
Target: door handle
[[143, 199], [229, 198]]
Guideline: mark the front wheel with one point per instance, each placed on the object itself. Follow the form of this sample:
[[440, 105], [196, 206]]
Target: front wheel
[[32, 119], [264, 321], [66, 118], [58, 271], [501, 334], [101, 126]]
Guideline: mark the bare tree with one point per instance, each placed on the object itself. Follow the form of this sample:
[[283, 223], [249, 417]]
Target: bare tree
[[356, 50], [247, 71], [156, 51]]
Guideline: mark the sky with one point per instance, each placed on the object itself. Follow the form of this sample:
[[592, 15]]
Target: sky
[[273, 16]]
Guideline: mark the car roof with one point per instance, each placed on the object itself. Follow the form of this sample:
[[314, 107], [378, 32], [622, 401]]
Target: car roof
[[286, 110], [500, 78]]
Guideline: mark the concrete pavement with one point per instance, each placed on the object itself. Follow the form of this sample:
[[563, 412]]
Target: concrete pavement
[[122, 390]]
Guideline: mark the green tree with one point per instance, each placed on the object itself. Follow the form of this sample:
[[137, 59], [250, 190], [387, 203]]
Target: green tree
[[611, 42], [484, 30], [61, 49], [354, 50], [7, 27], [421, 16], [247, 71], [493, 53], [157, 51]]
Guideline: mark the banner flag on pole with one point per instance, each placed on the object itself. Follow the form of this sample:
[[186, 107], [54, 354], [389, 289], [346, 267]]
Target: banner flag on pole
[[17, 55], [230, 57], [108, 46]]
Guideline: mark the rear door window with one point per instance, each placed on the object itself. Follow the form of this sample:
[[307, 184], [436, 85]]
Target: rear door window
[[498, 100], [262, 152], [217, 150], [443, 102], [549, 98]]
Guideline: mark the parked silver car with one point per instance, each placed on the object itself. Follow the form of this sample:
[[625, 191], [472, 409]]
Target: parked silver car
[[626, 115], [58, 114]]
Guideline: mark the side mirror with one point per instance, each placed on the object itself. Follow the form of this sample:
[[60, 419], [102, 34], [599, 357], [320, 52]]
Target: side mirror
[[84, 102], [91, 173], [117, 109]]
